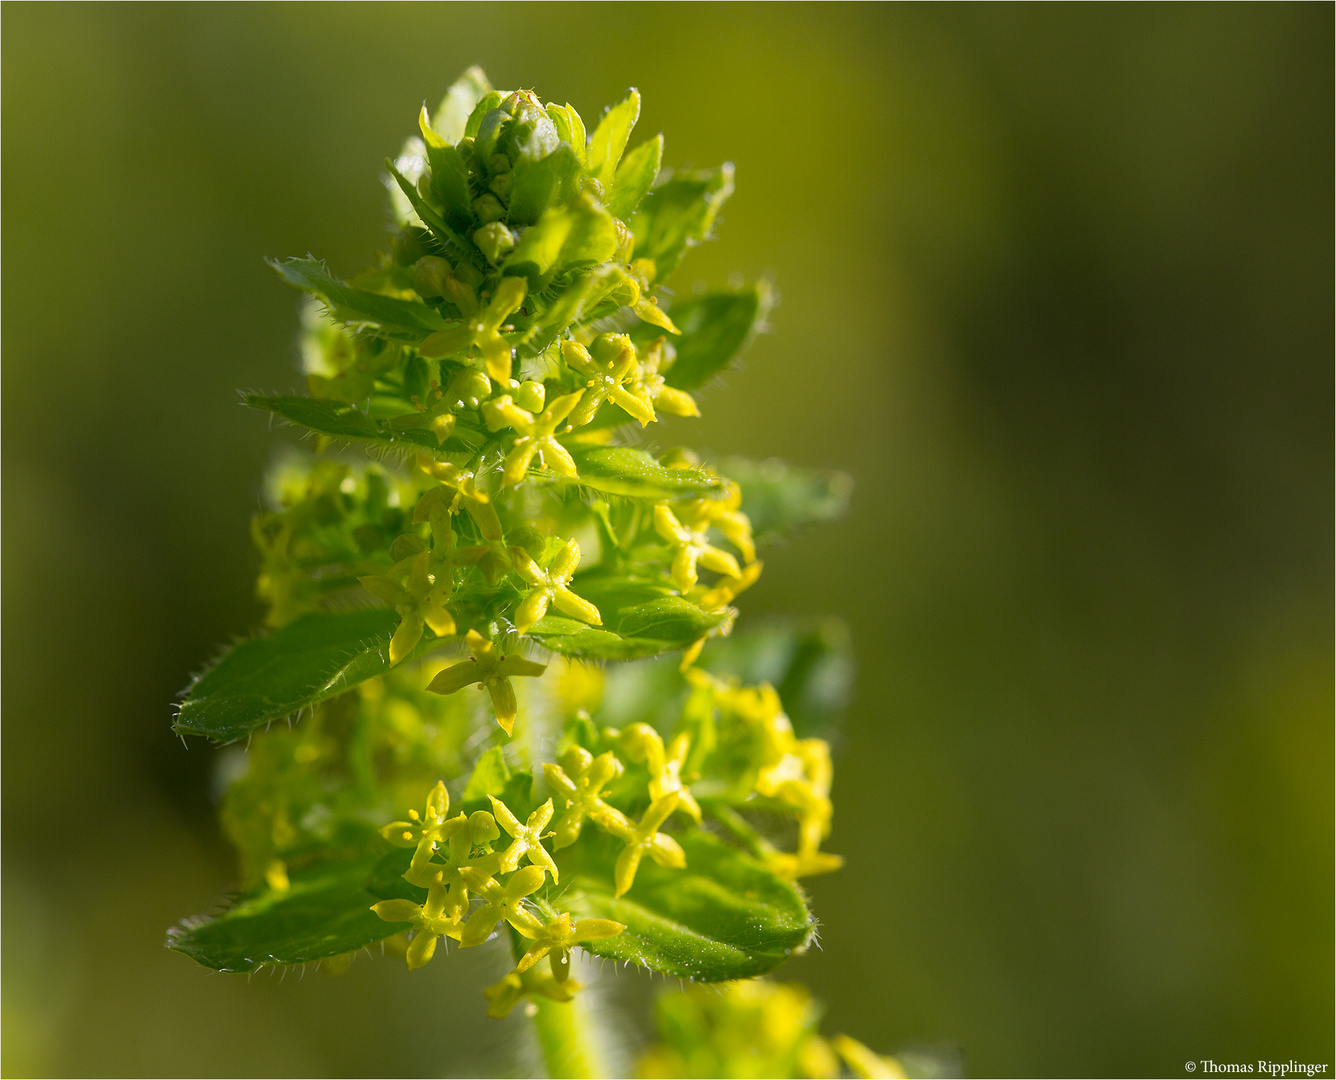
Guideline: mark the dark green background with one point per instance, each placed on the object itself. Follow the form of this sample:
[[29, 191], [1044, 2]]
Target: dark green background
[[1057, 289]]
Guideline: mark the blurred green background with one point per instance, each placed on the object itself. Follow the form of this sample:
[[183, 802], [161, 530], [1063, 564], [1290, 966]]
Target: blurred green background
[[1057, 288]]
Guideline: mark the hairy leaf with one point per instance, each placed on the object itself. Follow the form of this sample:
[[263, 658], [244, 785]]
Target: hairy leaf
[[715, 328], [325, 912], [609, 138], [779, 498], [678, 214], [356, 306], [621, 470], [639, 620], [635, 176], [452, 116], [724, 917], [344, 422], [268, 678]]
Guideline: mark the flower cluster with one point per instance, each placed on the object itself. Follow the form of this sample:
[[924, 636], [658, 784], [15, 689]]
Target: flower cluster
[[510, 530]]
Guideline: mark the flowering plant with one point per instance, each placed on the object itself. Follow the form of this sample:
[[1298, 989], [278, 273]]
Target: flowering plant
[[626, 778]]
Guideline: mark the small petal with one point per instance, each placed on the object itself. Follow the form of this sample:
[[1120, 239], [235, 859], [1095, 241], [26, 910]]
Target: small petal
[[420, 950], [406, 637], [455, 677], [404, 911]]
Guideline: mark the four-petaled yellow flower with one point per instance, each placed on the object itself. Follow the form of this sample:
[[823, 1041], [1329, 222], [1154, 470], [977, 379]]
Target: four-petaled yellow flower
[[550, 587], [420, 600], [642, 838], [579, 784], [424, 831], [430, 920], [479, 326], [528, 837], [491, 668], [606, 365], [458, 489], [642, 743], [691, 546], [556, 937], [501, 902], [538, 435]]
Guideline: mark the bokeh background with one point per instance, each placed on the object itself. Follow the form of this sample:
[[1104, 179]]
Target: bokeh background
[[1057, 289]]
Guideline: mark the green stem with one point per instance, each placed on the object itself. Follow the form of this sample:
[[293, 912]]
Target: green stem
[[564, 1029], [566, 1032]]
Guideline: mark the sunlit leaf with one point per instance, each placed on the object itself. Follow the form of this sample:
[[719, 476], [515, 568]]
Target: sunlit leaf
[[356, 306], [269, 678], [780, 498], [678, 214], [325, 912], [723, 917]]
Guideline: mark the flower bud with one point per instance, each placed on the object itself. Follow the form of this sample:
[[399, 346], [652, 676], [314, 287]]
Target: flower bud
[[469, 388], [495, 241], [531, 395], [608, 348], [429, 276], [488, 208]]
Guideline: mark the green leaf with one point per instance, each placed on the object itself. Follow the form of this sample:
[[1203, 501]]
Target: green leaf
[[593, 236], [609, 139], [678, 214], [540, 245], [268, 678], [489, 776], [639, 620], [621, 470], [715, 327], [723, 917], [486, 104], [536, 184], [344, 422], [444, 231], [452, 116], [356, 306], [780, 498], [635, 176], [326, 911], [449, 179]]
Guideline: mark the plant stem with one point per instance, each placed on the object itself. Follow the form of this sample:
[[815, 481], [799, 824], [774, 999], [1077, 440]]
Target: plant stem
[[564, 1032]]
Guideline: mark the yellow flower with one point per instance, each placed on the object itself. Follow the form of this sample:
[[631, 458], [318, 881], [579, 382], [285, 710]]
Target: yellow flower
[[501, 902], [430, 920], [579, 788], [642, 743], [493, 670], [864, 1063], [606, 365], [691, 546], [550, 587], [479, 326], [424, 831], [651, 386], [420, 601], [528, 837], [538, 435], [556, 938], [642, 838], [457, 489]]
